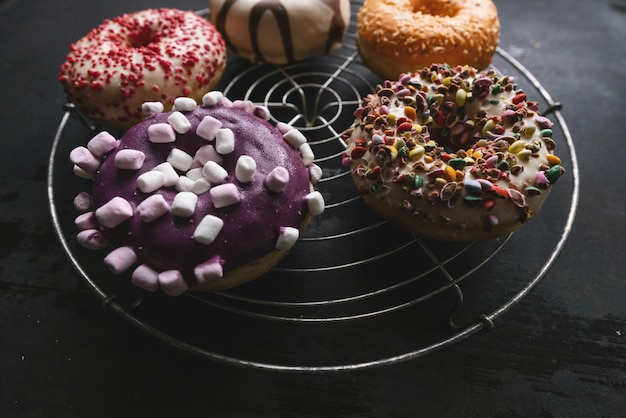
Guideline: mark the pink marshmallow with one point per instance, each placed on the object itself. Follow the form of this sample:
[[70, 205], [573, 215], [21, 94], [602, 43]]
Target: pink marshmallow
[[209, 270], [92, 239], [82, 202], [225, 195], [172, 283], [114, 212], [129, 159], [284, 127], [208, 127], [145, 278], [152, 208], [85, 159], [161, 133], [86, 220], [277, 179], [120, 259], [102, 143], [245, 105], [208, 153]]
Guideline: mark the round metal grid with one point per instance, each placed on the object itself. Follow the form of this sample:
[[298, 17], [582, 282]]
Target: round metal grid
[[354, 292]]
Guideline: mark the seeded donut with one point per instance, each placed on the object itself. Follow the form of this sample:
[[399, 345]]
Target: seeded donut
[[281, 31], [150, 55], [395, 37], [204, 197], [452, 154]]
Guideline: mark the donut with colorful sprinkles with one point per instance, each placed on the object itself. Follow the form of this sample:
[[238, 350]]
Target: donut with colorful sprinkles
[[204, 197], [149, 55], [451, 153]]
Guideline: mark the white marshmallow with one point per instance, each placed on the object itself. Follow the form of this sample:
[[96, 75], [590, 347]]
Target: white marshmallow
[[315, 173], [195, 173], [185, 104], [307, 153], [179, 122], [315, 202], [295, 138], [287, 238], [262, 112], [179, 159], [184, 204], [200, 186], [214, 172], [208, 229], [184, 184], [150, 181], [169, 173], [225, 141], [151, 108], [212, 98], [245, 169]]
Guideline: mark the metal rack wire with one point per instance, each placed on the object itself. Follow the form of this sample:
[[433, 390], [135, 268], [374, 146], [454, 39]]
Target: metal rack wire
[[350, 272]]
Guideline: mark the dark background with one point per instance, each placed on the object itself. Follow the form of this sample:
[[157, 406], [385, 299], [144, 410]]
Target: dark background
[[561, 352]]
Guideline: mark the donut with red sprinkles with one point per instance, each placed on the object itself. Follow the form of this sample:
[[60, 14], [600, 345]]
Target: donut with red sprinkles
[[153, 55]]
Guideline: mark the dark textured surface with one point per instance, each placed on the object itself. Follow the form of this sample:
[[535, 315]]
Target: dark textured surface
[[561, 352]]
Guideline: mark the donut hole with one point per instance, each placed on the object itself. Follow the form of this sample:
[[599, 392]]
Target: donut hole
[[444, 8], [142, 37]]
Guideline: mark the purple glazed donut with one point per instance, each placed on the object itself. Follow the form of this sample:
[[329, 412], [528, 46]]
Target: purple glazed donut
[[201, 198]]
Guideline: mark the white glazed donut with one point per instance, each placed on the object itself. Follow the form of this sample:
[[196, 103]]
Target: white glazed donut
[[281, 31], [452, 154], [153, 55]]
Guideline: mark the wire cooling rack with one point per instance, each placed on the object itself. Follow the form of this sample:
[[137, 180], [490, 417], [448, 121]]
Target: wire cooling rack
[[355, 292]]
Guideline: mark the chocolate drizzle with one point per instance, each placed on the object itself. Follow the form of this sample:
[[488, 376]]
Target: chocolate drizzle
[[276, 7], [282, 19]]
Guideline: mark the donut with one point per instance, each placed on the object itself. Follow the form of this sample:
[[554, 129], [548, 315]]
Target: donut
[[201, 198], [452, 153], [149, 55], [407, 35], [281, 31]]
